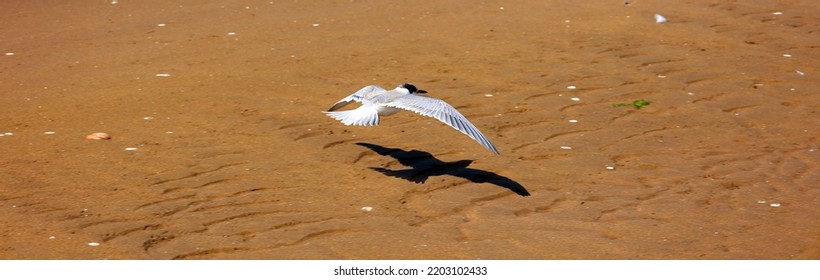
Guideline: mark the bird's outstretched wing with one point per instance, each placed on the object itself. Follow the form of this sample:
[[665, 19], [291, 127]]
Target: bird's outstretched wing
[[356, 96], [443, 112]]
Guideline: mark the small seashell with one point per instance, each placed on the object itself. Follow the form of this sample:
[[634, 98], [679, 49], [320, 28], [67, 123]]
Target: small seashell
[[98, 136], [659, 18]]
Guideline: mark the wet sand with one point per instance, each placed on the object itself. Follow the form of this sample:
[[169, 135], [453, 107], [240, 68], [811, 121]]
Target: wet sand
[[234, 159]]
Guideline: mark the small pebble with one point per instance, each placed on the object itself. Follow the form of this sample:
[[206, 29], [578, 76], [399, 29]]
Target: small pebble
[[775, 205], [52, 237], [571, 87], [93, 244], [573, 121], [315, 25], [659, 18], [49, 132], [9, 53], [787, 55], [610, 167], [488, 95], [761, 201], [566, 147], [367, 209], [130, 149], [98, 136], [777, 13], [163, 75], [800, 73], [161, 24], [231, 33], [8, 134], [575, 99]]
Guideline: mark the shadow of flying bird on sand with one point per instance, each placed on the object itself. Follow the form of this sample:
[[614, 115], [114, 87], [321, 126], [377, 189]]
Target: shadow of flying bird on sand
[[424, 165]]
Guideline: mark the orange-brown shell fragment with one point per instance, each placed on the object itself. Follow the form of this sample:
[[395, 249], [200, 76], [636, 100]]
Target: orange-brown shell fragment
[[98, 136]]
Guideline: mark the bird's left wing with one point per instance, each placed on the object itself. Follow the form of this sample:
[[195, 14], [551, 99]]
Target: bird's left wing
[[357, 96], [443, 112]]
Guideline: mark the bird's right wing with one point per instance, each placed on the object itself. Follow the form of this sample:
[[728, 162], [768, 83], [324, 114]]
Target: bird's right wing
[[357, 96]]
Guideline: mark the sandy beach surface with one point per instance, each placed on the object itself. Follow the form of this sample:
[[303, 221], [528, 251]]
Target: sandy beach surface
[[219, 149]]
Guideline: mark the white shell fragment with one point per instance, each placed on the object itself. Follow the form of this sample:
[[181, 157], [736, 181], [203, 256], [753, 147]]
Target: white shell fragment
[[93, 244], [367, 209], [49, 133], [163, 75], [9, 53], [566, 147], [575, 99], [610, 167], [98, 136], [130, 149], [775, 205], [571, 87], [659, 18]]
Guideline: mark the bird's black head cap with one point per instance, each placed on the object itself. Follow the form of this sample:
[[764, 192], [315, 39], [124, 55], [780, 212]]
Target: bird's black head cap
[[412, 88]]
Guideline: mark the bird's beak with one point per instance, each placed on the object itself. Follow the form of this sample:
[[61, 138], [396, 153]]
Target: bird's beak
[[421, 91]]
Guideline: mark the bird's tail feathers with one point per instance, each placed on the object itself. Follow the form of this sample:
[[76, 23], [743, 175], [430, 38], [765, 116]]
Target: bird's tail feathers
[[356, 117]]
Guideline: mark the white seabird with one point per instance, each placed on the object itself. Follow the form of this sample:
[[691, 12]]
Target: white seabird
[[377, 101]]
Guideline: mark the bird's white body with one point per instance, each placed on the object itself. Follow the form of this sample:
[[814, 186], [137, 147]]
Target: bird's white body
[[377, 101]]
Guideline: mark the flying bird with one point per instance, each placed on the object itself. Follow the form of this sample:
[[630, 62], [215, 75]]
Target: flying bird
[[377, 102]]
